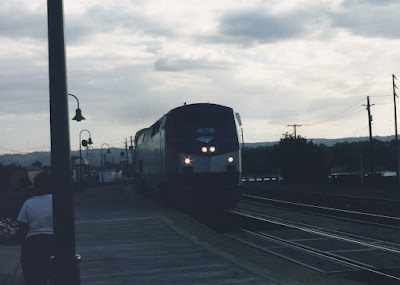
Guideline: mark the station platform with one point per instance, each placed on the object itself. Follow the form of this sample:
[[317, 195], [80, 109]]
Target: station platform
[[125, 238]]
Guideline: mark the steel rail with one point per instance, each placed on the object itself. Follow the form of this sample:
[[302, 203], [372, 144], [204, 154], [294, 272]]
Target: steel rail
[[339, 259], [343, 260], [396, 219], [263, 218], [327, 215], [329, 229], [396, 245], [334, 196]]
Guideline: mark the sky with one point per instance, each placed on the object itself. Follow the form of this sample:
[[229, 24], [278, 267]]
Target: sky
[[277, 63]]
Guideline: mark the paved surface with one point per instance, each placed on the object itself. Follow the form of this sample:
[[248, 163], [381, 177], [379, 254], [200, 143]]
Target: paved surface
[[124, 238], [131, 242], [10, 271]]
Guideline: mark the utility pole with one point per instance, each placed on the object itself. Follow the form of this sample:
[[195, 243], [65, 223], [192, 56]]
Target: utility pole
[[131, 149], [370, 133], [295, 126], [369, 118], [126, 155], [126, 150], [65, 261], [395, 128]]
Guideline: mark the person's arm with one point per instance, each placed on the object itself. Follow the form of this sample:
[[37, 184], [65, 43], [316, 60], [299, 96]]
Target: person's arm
[[22, 231], [23, 226]]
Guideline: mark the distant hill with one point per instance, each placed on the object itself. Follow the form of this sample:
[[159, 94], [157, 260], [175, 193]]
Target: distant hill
[[327, 142], [93, 156]]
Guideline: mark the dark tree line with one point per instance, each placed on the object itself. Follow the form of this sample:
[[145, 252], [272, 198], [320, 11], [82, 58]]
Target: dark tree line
[[14, 186], [302, 161]]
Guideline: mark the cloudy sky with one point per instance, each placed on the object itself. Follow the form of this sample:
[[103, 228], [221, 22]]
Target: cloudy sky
[[276, 62]]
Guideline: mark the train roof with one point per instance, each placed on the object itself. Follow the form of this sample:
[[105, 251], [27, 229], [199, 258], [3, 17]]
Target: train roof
[[198, 105], [188, 107], [138, 133]]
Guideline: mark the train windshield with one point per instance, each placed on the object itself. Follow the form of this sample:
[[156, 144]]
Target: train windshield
[[193, 126]]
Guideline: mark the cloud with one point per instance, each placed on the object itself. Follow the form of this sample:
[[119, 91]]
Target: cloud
[[16, 21], [353, 3], [380, 21], [104, 20], [262, 25], [129, 62], [259, 26], [182, 64]]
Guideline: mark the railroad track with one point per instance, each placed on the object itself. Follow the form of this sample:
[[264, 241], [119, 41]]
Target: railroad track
[[358, 216], [335, 251], [355, 202]]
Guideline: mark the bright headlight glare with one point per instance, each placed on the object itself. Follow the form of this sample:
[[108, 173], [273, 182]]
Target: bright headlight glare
[[187, 161], [212, 149], [204, 149], [230, 159]]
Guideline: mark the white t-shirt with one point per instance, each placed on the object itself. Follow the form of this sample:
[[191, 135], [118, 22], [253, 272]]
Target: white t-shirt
[[37, 212]]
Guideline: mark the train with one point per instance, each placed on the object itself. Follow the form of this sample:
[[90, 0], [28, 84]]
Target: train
[[191, 157]]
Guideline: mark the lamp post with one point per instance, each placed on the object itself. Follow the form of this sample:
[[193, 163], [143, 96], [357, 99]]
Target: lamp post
[[66, 262], [103, 161], [87, 151], [126, 158], [80, 150], [78, 113]]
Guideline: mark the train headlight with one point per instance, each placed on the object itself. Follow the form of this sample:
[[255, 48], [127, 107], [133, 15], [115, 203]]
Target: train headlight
[[204, 149], [187, 161], [212, 149], [230, 159]]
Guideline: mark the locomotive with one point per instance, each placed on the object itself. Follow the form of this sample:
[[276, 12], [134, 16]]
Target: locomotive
[[191, 157]]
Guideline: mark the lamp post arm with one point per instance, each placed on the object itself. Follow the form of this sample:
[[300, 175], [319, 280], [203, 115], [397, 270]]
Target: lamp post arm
[[104, 144], [86, 131], [75, 98], [103, 161]]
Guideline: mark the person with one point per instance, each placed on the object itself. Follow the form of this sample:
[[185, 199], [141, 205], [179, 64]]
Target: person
[[36, 217]]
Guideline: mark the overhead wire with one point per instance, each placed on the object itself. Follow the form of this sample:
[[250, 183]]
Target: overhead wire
[[350, 111], [380, 96]]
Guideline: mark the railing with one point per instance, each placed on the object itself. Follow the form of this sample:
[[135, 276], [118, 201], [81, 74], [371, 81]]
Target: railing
[[261, 179]]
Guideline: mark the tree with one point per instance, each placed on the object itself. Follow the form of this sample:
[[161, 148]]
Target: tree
[[301, 161], [259, 161], [12, 196], [37, 163]]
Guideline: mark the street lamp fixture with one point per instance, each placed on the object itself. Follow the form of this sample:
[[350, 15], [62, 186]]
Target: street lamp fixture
[[78, 113], [84, 143]]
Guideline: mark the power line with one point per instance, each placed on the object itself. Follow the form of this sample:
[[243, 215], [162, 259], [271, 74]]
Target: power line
[[341, 115], [357, 131], [383, 104], [349, 115], [380, 96]]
